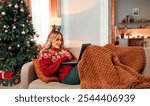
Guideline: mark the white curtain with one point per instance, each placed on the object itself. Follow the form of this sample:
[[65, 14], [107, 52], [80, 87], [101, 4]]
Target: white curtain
[[104, 22], [41, 19]]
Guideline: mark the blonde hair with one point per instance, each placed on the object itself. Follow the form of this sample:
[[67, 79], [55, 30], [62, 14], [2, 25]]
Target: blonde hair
[[53, 35]]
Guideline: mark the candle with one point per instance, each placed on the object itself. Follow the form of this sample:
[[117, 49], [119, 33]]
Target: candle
[[115, 33]]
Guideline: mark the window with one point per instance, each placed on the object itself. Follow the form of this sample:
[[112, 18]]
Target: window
[[44, 14], [41, 19]]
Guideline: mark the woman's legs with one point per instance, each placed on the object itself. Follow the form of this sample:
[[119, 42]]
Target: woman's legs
[[72, 78]]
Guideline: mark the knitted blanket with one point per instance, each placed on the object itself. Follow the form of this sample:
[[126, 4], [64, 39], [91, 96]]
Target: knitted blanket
[[112, 67]]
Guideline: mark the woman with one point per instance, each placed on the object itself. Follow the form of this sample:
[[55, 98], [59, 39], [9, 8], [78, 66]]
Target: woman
[[52, 56]]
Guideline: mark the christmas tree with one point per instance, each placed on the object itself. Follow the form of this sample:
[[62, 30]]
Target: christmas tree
[[17, 45]]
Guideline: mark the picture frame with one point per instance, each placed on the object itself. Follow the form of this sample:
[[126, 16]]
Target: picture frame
[[135, 12]]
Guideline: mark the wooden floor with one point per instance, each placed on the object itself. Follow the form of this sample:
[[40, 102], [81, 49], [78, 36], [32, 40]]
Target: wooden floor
[[17, 86]]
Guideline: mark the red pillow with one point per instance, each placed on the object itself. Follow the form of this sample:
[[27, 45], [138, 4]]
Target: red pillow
[[40, 74]]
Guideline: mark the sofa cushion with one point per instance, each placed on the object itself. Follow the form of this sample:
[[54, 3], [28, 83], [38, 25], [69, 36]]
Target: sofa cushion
[[38, 84], [146, 71], [40, 74]]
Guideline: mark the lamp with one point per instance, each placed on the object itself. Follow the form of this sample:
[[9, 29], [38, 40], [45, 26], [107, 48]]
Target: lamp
[[55, 23]]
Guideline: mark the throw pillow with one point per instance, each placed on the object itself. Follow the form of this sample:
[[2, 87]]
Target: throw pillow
[[39, 73]]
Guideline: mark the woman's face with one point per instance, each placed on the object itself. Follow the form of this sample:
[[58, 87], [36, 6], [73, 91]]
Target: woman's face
[[57, 42]]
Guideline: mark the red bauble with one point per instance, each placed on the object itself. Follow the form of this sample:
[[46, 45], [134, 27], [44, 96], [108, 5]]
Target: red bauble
[[4, 1], [36, 46]]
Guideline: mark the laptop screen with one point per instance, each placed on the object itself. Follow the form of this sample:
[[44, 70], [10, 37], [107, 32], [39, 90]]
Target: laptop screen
[[84, 46]]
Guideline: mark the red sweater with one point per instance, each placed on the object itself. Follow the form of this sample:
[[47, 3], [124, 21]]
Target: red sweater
[[50, 62]]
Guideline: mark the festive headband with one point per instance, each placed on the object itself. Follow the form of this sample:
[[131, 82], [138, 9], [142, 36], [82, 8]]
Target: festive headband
[[56, 28]]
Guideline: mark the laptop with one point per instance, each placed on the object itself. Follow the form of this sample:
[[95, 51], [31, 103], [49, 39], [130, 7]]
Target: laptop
[[74, 62]]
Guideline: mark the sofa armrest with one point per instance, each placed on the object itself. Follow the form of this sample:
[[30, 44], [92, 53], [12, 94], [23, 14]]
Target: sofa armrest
[[27, 74], [146, 71]]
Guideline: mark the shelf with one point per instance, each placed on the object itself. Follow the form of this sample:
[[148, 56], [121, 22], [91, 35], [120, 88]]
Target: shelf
[[143, 32], [144, 22], [134, 25], [135, 29], [134, 42]]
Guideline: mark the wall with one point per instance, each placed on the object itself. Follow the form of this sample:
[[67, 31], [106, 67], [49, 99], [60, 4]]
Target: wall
[[81, 20], [124, 7]]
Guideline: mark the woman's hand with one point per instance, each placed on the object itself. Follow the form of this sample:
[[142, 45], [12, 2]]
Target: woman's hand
[[67, 53]]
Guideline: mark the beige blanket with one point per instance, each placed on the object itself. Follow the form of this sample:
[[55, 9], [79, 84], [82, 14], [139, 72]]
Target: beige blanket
[[111, 67]]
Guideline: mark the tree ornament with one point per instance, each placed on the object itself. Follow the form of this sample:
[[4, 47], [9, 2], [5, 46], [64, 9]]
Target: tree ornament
[[10, 5], [22, 1], [27, 50], [22, 10], [18, 45], [32, 37], [28, 45], [23, 25], [29, 16], [9, 48], [16, 6], [36, 47], [4, 1], [28, 42], [23, 32], [31, 40], [3, 13], [15, 11], [14, 27], [4, 26], [6, 31], [1, 58], [15, 20], [37, 35]]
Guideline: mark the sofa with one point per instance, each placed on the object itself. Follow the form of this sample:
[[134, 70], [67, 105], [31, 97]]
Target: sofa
[[29, 79]]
